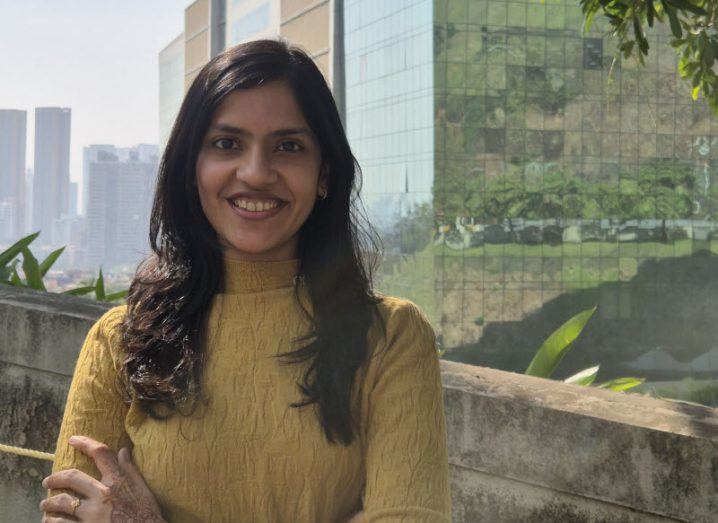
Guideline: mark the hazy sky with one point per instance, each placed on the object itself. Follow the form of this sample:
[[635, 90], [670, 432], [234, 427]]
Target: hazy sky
[[98, 57]]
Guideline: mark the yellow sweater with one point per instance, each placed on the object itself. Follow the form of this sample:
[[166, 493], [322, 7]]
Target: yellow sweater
[[248, 456]]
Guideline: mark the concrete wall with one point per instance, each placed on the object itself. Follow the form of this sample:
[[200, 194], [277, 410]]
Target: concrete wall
[[40, 338], [521, 449]]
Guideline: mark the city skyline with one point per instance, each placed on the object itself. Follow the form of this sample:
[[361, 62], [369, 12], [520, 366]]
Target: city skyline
[[80, 57]]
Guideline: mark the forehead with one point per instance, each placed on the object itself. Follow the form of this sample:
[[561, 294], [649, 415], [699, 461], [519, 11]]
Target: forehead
[[269, 105]]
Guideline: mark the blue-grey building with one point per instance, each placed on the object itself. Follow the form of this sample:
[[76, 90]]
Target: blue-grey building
[[51, 182]]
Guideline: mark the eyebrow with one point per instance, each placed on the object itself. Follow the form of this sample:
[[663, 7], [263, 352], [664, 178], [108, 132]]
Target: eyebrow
[[225, 128]]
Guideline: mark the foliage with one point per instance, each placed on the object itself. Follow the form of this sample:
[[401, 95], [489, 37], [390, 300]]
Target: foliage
[[558, 344], [34, 271], [412, 232], [692, 23], [662, 189], [555, 348]]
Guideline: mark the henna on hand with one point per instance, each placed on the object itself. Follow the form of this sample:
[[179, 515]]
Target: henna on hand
[[128, 504]]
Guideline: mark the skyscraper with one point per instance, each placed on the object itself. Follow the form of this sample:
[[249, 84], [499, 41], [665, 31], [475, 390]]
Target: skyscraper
[[51, 184], [121, 184], [171, 74], [13, 130], [204, 35]]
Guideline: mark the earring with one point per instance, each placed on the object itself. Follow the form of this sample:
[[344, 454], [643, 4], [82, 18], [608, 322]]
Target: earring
[[323, 194]]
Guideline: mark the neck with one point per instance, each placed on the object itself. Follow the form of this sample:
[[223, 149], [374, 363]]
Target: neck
[[244, 276]]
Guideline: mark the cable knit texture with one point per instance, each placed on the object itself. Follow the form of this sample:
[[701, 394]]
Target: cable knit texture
[[249, 456]]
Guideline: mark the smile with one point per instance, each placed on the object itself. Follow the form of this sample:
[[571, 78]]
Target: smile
[[255, 205], [255, 209]]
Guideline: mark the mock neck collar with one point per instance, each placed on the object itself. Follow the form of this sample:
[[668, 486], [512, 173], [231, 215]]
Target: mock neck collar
[[256, 276]]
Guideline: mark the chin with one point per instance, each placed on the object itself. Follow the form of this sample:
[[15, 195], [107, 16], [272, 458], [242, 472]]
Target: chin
[[252, 249]]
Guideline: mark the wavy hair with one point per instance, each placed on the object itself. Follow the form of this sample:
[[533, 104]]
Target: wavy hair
[[338, 251]]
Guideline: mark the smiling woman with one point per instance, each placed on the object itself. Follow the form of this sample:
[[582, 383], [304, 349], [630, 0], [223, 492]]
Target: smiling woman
[[259, 254], [258, 173]]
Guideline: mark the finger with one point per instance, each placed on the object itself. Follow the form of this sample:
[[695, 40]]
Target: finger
[[57, 519], [357, 518], [99, 452], [61, 503], [124, 459], [134, 475], [76, 480]]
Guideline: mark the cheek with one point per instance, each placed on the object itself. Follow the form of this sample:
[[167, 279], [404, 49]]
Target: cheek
[[209, 182]]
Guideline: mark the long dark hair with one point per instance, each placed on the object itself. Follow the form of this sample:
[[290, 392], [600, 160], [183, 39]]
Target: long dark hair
[[338, 251]]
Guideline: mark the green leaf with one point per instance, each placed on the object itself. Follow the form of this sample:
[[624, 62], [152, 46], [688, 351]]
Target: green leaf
[[707, 51], [11, 252], [638, 31], [32, 270], [79, 291], [696, 80], [557, 344], [695, 92], [116, 295], [585, 377], [15, 278], [687, 6], [650, 11], [620, 384], [673, 20], [686, 67], [627, 48], [51, 258], [588, 21], [7, 270], [100, 287]]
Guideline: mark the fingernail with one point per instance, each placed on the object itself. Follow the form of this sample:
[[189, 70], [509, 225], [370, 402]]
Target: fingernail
[[72, 439], [44, 482]]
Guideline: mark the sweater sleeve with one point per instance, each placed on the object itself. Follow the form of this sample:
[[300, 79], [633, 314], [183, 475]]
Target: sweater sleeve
[[94, 406], [405, 455]]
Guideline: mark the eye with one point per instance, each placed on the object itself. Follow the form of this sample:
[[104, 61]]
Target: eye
[[223, 143], [293, 150]]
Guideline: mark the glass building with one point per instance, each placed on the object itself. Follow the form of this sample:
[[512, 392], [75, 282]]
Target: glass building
[[519, 176]]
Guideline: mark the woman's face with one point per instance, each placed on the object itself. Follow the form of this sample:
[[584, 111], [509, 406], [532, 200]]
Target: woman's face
[[258, 173]]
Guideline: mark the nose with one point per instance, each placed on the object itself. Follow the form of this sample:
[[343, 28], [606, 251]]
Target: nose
[[255, 167]]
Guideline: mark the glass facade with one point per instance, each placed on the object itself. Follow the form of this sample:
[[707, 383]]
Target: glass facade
[[253, 22], [530, 178], [171, 77], [390, 123]]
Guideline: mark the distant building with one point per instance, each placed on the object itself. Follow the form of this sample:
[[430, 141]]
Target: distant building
[[73, 198], [13, 131], [90, 154], [121, 185], [204, 35], [51, 183], [318, 27], [252, 19], [70, 232], [211, 26], [28, 201], [171, 69], [7, 220]]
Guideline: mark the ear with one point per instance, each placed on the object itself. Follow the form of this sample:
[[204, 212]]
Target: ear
[[324, 178]]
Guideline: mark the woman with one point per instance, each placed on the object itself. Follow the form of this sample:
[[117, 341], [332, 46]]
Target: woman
[[257, 251]]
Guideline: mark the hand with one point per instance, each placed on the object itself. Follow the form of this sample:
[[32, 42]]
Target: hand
[[121, 496]]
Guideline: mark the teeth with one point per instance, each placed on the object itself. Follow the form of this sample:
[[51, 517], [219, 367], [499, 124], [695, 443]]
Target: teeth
[[255, 206]]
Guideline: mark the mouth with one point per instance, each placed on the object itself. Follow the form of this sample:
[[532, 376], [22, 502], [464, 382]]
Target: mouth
[[256, 209]]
